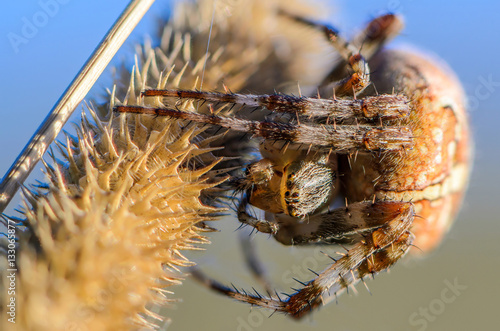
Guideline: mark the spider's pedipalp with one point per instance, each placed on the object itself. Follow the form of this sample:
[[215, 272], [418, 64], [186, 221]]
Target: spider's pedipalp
[[383, 107], [338, 138]]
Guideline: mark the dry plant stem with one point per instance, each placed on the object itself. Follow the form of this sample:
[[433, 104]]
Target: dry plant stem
[[74, 94]]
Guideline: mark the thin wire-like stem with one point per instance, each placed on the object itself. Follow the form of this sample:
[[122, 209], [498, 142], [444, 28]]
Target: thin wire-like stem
[[74, 94]]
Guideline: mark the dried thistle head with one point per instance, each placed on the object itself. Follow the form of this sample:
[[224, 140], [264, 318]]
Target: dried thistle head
[[105, 234]]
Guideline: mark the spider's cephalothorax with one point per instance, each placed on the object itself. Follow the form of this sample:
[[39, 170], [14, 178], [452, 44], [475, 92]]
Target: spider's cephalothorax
[[393, 153], [296, 183]]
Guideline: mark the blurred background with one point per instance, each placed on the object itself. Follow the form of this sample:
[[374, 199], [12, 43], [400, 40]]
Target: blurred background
[[36, 70]]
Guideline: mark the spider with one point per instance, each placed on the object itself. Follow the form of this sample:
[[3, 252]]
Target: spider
[[393, 141]]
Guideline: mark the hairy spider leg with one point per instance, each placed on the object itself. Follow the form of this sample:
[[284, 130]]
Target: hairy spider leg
[[381, 247], [335, 138], [381, 107], [368, 42], [253, 262], [244, 217], [377, 34], [359, 79]]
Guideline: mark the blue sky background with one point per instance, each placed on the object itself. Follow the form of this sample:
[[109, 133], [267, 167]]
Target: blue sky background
[[464, 33]]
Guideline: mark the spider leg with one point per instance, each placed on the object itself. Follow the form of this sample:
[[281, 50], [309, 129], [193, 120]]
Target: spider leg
[[378, 32], [336, 138], [384, 107], [253, 262], [381, 248], [335, 225], [360, 77], [369, 41], [260, 225]]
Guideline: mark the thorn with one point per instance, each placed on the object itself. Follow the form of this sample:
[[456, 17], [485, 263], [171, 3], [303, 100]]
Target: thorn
[[330, 152], [260, 297], [334, 260], [298, 281], [352, 274], [297, 116], [354, 290], [273, 313], [314, 272], [285, 147], [366, 286], [344, 283], [309, 149], [417, 248]]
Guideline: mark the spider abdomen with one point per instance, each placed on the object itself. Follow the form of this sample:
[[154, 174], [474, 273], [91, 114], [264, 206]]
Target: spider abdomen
[[433, 174]]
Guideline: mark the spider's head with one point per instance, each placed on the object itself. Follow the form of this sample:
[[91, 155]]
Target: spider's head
[[306, 186], [295, 183]]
